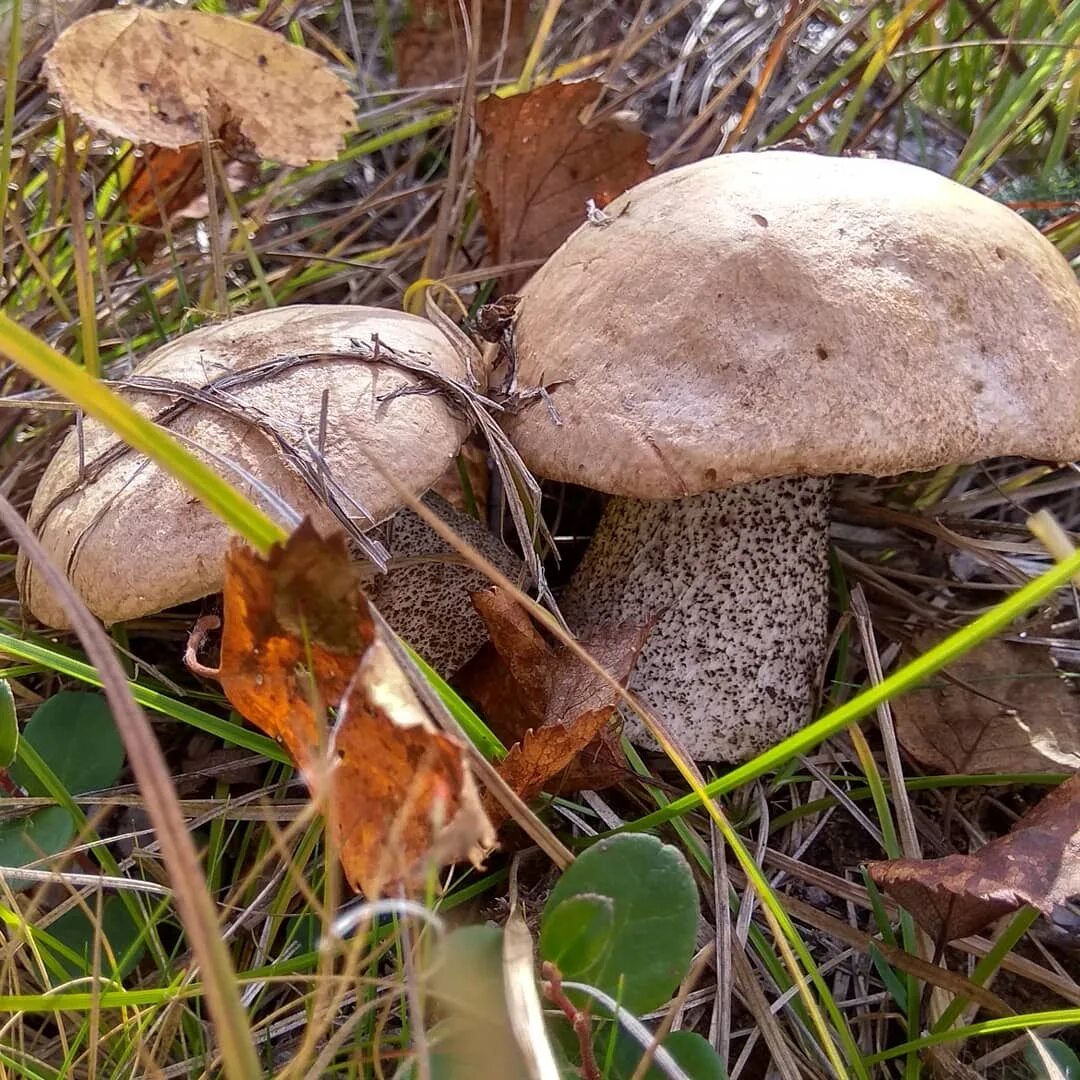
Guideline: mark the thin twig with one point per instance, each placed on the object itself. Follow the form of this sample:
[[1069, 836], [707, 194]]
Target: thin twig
[[579, 1019]]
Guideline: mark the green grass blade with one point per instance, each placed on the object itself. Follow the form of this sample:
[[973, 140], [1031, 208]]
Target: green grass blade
[[482, 737], [1000, 1026], [46, 364]]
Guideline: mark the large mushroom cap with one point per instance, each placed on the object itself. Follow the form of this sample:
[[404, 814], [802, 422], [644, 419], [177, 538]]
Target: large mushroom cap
[[134, 541], [759, 315]]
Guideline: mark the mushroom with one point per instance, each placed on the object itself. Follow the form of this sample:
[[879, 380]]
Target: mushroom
[[134, 541], [734, 333]]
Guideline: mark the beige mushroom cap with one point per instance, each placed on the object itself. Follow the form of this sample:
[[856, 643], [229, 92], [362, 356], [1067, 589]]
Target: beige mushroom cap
[[134, 541], [779, 313]]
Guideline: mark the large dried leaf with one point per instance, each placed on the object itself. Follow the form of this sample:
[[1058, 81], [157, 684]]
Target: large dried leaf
[[298, 637], [1002, 708], [540, 165], [546, 701], [1036, 863], [156, 76], [431, 47], [294, 629], [403, 796]]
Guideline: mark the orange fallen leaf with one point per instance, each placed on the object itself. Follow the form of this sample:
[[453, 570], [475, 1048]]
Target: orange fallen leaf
[[431, 47], [160, 76], [162, 180], [298, 638], [168, 185], [1005, 709], [403, 797], [552, 706], [1036, 863], [545, 753], [540, 165]]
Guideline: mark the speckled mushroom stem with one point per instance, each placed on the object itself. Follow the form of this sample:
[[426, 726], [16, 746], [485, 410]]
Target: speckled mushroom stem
[[426, 600], [740, 578]]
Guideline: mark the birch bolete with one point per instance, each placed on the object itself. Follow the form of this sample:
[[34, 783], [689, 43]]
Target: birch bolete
[[728, 337], [291, 406]]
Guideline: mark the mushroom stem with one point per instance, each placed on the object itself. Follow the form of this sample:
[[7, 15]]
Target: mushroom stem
[[739, 582], [425, 596]]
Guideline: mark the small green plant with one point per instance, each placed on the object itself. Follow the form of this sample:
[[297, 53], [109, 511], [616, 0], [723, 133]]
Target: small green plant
[[70, 746], [617, 938], [622, 918], [1052, 1059]]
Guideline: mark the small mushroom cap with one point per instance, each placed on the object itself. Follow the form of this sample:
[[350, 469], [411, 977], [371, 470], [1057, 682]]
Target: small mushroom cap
[[135, 541], [781, 313]]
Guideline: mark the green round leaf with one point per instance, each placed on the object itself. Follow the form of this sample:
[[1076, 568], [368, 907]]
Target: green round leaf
[[474, 1036], [697, 1058], [1062, 1056], [579, 932], [77, 932], [25, 840], [76, 736], [651, 940], [9, 725]]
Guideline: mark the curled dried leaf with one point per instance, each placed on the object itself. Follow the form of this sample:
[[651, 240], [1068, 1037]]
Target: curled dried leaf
[[299, 639], [403, 798], [1036, 863]]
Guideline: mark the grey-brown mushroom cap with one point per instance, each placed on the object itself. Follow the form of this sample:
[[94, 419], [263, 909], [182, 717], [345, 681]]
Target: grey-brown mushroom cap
[[134, 541], [781, 313]]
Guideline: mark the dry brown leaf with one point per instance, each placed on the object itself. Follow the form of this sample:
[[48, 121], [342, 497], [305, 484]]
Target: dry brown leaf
[[553, 707], [153, 76], [168, 185], [1008, 711], [540, 165], [162, 180], [431, 47], [602, 764], [1036, 863], [403, 798], [545, 753], [298, 636], [528, 660]]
